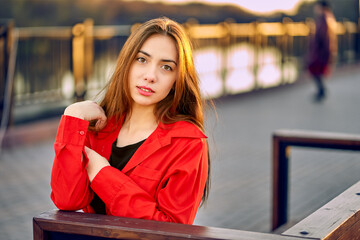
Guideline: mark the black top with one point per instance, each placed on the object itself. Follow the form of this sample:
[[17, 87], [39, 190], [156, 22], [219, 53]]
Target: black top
[[119, 157]]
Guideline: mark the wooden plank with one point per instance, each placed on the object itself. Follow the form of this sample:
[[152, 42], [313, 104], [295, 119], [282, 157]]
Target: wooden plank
[[38, 233], [338, 219], [350, 230], [127, 228]]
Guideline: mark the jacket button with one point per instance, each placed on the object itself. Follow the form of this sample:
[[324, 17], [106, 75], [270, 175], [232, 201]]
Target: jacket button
[[82, 132]]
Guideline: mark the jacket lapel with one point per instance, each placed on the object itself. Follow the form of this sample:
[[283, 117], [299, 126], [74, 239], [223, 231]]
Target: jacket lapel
[[161, 137], [151, 145]]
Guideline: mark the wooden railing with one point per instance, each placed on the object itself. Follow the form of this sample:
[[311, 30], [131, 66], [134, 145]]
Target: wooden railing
[[282, 141], [73, 225], [337, 220]]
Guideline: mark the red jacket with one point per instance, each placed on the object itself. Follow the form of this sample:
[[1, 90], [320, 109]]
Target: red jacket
[[164, 180]]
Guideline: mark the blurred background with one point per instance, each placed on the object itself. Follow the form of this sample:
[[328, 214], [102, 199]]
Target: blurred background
[[250, 58], [67, 48]]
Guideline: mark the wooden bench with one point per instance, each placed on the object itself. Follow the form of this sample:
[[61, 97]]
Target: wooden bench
[[282, 141]]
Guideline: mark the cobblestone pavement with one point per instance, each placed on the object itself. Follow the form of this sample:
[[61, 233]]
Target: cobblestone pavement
[[240, 141]]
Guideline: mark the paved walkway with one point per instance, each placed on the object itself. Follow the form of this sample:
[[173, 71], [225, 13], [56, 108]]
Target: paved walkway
[[241, 153]]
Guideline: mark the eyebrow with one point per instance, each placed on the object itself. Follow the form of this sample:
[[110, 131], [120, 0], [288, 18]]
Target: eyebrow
[[163, 60]]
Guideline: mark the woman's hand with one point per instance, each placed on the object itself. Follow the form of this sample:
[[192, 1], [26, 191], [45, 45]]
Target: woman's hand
[[96, 163], [87, 110]]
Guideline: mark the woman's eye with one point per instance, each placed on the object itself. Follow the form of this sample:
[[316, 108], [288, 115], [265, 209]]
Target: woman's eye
[[141, 59], [167, 68]]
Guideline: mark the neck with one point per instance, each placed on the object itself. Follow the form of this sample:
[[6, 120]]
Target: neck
[[141, 118]]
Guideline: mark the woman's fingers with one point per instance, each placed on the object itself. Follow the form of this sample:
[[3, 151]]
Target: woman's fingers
[[94, 156], [101, 120], [100, 124], [92, 111], [88, 151], [95, 164]]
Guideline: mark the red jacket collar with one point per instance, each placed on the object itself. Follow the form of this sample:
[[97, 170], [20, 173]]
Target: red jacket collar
[[163, 131], [178, 129], [159, 138]]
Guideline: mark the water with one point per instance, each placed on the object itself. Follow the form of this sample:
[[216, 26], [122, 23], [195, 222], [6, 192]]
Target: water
[[235, 69], [242, 68]]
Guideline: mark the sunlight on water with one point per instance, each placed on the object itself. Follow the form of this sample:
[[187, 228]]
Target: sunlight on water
[[238, 74], [67, 85], [240, 80], [220, 72], [269, 75], [269, 72], [208, 65], [19, 84], [290, 71], [241, 55], [240, 77]]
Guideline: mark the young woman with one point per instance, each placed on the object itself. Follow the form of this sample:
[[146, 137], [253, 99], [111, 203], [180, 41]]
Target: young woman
[[141, 152]]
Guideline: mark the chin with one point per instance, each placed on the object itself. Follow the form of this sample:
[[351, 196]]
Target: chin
[[145, 103]]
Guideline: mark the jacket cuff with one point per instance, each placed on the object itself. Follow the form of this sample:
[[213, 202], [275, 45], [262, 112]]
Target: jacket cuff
[[108, 182], [72, 130]]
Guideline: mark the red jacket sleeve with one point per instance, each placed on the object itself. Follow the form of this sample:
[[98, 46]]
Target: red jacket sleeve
[[179, 196], [69, 180]]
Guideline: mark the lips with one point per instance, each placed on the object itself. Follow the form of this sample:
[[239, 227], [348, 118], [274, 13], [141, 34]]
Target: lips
[[145, 90]]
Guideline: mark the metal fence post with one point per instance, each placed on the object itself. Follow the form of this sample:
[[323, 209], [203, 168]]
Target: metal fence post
[[7, 69], [3, 66], [357, 39], [6, 45], [82, 56]]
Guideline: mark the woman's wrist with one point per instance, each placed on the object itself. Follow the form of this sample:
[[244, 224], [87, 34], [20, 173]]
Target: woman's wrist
[[70, 111]]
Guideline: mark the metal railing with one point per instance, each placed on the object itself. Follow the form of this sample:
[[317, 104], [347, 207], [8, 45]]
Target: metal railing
[[57, 65], [8, 46]]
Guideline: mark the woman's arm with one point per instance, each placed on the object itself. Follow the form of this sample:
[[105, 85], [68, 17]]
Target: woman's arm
[[69, 180], [176, 201]]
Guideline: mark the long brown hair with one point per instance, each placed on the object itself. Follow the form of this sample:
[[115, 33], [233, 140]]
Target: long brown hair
[[184, 100]]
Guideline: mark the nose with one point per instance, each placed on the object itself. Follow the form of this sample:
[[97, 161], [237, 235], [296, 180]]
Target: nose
[[150, 74]]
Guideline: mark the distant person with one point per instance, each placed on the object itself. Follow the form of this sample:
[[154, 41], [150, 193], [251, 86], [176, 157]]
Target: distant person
[[322, 47], [142, 152]]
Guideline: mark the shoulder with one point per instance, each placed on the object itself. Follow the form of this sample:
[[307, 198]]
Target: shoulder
[[182, 129], [186, 139]]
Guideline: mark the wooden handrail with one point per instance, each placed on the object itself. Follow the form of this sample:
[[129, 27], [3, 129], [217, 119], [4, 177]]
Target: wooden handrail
[[318, 139], [282, 140], [74, 225], [338, 219]]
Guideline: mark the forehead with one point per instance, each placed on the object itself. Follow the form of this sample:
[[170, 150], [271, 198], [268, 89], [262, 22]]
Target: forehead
[[162, 46]]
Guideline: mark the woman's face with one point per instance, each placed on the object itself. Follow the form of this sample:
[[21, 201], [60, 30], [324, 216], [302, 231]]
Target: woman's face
[[154, 70]]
